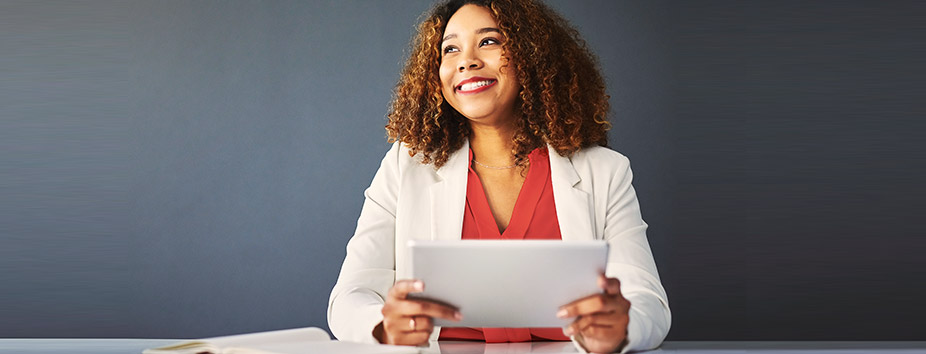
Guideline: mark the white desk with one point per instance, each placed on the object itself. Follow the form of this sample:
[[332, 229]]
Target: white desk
[[135, 346]]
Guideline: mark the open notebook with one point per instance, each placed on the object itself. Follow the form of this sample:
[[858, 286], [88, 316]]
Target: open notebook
[[308, 340]]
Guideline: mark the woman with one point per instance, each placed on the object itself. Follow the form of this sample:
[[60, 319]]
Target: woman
[[499, 128]]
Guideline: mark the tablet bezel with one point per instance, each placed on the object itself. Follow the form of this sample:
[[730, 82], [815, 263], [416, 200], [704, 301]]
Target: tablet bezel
[[507, 283]]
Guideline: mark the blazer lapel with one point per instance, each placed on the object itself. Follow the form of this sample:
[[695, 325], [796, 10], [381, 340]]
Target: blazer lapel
[[448, 196], [572, 203]]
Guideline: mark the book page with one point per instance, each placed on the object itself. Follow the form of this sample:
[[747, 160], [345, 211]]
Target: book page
[[253, 343], [325, 347], [193, 347], [310, 340], [249, 340]]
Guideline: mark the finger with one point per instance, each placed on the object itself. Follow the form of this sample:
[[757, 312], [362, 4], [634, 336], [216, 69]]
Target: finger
[[609, 319], [412, 338], [601, 318], [589, 305], [585, 329], [609, 285], [401, 288], [601, 333], [407, 325], [420, 324], [426, 308]]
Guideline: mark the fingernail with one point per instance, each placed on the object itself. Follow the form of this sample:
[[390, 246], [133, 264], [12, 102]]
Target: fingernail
[[567, 330], [419, 286], [458, 316], [562, 313]]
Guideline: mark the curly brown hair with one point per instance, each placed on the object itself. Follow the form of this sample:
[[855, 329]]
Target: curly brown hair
[[563, 100]]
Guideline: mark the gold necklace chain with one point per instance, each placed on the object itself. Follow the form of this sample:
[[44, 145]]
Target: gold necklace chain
[[494, 167]]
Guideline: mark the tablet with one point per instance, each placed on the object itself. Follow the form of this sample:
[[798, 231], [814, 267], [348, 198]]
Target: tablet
[[507, 283]]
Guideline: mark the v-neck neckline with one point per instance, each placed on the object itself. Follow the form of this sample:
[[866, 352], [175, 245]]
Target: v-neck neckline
[[525, 204]]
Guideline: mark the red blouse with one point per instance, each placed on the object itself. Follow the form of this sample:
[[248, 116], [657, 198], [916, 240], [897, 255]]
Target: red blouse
[[533, 217]]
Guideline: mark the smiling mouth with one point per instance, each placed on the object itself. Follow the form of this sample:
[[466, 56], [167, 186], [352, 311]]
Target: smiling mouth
[[475, 86]]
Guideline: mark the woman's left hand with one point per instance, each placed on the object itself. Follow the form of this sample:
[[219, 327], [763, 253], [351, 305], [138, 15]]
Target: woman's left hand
[[601, 319]]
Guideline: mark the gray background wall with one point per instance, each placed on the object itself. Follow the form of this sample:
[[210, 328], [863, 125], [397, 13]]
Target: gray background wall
[[195, 168]]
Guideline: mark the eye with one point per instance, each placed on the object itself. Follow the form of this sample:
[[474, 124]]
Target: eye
[[489, 41], [449, 49]]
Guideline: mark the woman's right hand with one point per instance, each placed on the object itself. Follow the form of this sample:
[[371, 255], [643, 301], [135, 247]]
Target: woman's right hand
[[409, 321]]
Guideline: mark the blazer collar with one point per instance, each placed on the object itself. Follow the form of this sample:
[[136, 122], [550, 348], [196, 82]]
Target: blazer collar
[[573, 204], [448, 198], [457, 164], [562, 170]]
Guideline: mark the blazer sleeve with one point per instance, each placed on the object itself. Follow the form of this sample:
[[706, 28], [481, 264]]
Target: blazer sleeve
[[630, 260], [356, 301]]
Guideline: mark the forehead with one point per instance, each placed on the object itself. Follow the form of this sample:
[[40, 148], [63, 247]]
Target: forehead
[[468, 19]]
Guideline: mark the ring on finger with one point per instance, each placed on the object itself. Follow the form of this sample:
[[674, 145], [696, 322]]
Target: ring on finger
[[411, 323]]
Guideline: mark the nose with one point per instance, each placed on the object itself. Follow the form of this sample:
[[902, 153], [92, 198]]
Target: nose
[[471, 65], [469, 62]]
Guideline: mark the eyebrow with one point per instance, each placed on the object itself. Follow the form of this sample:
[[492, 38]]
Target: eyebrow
[[479, 31]]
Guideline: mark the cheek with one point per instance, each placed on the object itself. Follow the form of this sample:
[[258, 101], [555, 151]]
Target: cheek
[[508, 69], [512, 75], [446, 77]]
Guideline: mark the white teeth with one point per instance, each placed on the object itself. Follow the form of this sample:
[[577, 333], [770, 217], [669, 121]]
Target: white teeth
[[474, 85]]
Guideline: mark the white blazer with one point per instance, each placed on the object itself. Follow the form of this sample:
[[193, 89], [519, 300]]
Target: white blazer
[[409, 200]]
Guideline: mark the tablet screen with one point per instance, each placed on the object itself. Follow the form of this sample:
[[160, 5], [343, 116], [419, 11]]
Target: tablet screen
[[507, 283]]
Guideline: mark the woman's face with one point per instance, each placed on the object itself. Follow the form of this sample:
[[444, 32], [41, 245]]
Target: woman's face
[[474, 77]]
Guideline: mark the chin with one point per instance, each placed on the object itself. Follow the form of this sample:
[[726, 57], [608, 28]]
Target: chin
[[476, 115], [476, 110]]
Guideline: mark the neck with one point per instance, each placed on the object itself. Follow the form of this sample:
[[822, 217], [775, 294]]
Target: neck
[[492, 145]]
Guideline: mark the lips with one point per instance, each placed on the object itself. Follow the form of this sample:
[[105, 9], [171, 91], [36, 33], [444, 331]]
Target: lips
[[474, 85]]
